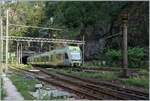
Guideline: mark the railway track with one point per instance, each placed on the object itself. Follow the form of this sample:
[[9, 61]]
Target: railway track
[[88, 69], [108, 87], [89, 89]]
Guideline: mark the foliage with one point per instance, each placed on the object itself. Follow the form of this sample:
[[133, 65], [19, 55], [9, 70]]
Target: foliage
[[24, 13], [95, 63], [136, 57], [113, 57], [79, 15]]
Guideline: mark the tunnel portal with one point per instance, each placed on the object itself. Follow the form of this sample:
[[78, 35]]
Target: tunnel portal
[[25, 55], [24, 59]]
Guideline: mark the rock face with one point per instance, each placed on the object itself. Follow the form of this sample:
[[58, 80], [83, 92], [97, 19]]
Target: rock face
[[137, 32], [94, 48]]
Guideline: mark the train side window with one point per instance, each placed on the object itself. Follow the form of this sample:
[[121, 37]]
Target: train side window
[[66, 56]]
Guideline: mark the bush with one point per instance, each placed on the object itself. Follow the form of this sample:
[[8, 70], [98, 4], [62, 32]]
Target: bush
[[113, 57], [136, 57]]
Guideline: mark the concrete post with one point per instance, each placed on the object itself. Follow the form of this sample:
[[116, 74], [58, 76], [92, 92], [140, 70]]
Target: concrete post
[[125, 45]]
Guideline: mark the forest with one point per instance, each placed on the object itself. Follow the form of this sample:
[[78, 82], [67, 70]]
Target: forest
[[99, 22]]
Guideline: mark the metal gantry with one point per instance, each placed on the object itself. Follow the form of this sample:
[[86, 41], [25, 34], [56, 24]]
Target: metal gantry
[[42, 40]]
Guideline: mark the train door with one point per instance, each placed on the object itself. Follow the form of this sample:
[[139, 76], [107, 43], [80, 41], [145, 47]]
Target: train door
[[66, 59]]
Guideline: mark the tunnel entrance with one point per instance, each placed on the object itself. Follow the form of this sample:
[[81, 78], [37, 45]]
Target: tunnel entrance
[[24, 59]]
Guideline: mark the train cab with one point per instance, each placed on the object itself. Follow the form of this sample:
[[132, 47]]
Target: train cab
[[75, 55]]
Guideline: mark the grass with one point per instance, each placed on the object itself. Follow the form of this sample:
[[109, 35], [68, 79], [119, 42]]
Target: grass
[[3, 92], [23, 85], [144, 72], [142, 80], [137, 81], [20, 66], [104, 75], [101, 75], [99, 64]]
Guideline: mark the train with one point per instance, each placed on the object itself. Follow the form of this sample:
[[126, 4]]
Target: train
[[66, 56]]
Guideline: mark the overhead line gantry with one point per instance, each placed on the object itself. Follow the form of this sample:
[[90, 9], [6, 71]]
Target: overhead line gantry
[[42, 40]]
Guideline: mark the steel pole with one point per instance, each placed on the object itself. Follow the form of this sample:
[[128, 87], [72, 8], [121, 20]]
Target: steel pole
[[83, 51], [17, 53], [21, 54], [1, 47], [6, 59]]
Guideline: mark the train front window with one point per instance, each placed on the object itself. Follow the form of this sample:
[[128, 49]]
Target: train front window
[[75, 56]]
